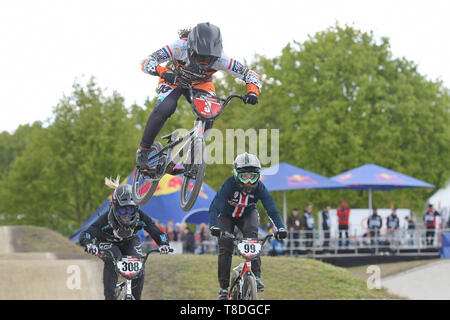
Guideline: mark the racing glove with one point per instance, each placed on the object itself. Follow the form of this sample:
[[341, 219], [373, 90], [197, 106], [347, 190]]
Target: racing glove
[[251, 98], [91, 249], [164, 249], [281, 234], [169, 77], [215, 231]]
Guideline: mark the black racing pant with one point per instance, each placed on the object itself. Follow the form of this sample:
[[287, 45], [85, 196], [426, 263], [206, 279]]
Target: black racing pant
[[130, 247], [163, 110], [248, 225], [326, 236], [343, 229], [374, 235], [430, 235]]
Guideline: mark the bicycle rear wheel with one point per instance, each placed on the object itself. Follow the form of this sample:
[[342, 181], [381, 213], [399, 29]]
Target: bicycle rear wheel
[[145, 184], [249, 289], [193, 176]]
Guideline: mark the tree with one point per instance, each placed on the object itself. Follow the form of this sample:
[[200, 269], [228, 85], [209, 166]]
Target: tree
[[341, 100], [58, 180]]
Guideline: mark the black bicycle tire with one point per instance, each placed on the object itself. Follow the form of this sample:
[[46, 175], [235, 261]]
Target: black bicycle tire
[[235, 286], [249, 283], [186, 205], [144, 199]]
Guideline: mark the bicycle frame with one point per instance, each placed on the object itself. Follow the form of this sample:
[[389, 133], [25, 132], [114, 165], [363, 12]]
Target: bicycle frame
[[246, 268], [195, 133], [127, 283]]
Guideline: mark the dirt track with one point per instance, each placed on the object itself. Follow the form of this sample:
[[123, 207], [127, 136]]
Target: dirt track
[[43, 276]]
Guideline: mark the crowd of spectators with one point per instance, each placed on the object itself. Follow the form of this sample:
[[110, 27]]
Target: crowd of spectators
[[191, 242], [303, 230], [304, 233]]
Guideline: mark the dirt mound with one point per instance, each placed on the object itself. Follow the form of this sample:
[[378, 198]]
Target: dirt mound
[[45, 265]]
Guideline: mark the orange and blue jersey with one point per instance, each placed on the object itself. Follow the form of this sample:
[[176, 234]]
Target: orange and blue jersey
[[176, 54]]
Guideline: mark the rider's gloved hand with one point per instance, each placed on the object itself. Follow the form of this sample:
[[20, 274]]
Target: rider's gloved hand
[[169, 77], [215, 232], [91, 249], [164, 249], [251, 98], [281, 234]]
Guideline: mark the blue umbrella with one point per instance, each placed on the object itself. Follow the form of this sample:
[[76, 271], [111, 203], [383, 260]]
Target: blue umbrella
[[373, 177], [164, 204], [284, 177]]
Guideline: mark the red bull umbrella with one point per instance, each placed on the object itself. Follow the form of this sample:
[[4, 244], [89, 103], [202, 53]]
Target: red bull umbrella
[[284, 177], [373, 177]]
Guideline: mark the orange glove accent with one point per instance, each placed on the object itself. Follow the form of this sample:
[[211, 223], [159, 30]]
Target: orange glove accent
[[252, 88]]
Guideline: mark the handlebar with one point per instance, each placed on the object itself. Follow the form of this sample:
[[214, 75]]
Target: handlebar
[[226, 234], [225, 101], [101, 255]]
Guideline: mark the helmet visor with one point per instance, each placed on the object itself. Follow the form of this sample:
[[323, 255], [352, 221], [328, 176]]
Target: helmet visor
[[206, 60], [126, 213], [248, 177]]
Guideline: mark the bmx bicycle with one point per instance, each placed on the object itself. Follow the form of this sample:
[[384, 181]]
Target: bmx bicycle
[[243, 282], [129, 267], [207, 108]]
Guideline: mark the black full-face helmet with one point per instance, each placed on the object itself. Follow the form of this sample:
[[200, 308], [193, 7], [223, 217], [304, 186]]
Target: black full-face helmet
[[204, 44], [124, 208], [246, 170]]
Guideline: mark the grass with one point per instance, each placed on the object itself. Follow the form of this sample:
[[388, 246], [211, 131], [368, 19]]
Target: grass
[[188, 277], [389, 269]]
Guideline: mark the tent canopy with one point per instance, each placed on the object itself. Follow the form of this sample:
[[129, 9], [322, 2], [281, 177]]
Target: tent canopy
[[378, 178], [373, 177], [164, 204], [284, 176]]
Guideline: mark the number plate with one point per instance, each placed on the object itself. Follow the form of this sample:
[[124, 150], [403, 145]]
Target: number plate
[[249, 248], [129, 266], [208, 107]]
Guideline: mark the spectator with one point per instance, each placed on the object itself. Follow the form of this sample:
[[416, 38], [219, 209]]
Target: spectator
[[410, 227], [171, 232], [392, 223], [188, 240], [429, 219], [308, 223], [203, 235], [294, 225], [326, 226], [343, 214], [374, 224]]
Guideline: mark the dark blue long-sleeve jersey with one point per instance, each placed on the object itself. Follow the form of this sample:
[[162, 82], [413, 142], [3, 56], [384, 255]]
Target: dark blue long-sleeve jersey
[[230, 200]]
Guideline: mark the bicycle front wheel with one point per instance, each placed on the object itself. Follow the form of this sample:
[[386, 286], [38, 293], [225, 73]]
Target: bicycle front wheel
[[193, 177], [144, 185], [249, 289]]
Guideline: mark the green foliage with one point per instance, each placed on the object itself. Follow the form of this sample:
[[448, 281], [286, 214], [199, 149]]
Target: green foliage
[[339, 100], [58, 179]]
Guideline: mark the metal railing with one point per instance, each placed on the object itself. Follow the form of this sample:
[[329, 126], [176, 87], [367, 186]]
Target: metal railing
[[399, 242], [318, 243]]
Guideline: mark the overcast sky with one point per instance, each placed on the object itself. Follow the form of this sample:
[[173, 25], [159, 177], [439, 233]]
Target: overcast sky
[[45, 45]]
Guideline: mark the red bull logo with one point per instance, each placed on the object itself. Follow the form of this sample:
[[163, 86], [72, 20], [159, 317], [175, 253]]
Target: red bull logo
[[297, 179], [169, 184], [383, 177], [345, 177]]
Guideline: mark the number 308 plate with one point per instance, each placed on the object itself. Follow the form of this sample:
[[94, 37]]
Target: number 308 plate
[[249, 248], [129, 266]]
